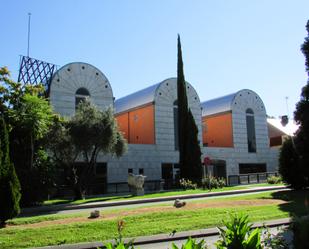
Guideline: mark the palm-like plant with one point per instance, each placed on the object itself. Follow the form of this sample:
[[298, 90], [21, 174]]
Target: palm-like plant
[[238, 234]]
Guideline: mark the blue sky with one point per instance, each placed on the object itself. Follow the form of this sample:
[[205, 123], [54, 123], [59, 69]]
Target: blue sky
[[227, 45]]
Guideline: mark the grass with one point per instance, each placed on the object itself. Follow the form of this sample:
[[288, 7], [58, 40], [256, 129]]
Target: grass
[[151, 223], [152, 195]]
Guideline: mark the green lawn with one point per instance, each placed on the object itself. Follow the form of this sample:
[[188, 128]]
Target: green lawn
[[151, 223], [153, 195]]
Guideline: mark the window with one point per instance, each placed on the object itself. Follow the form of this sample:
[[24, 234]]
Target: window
[[251, 131], [130, 171], [176, 135], [250, 168], [141, 171], [81, 95]]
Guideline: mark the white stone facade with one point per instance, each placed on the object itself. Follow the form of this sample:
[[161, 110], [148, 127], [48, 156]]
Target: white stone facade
[[73, 76], [239, 154], [149, 157]]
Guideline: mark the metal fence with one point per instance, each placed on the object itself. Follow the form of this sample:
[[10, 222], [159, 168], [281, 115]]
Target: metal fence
[[250, 178], [123, 187]]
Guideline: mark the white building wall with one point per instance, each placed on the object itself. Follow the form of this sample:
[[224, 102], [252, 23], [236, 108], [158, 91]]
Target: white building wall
[[239, 153], [150, 157], [73, 76]]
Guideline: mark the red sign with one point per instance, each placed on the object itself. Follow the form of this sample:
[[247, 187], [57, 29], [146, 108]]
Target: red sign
[[207, 161]]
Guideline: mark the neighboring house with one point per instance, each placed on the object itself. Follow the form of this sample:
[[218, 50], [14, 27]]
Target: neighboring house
[[233, 129], [279, 131]]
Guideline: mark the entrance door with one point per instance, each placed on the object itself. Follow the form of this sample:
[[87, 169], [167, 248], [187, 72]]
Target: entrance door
[[167, 175]]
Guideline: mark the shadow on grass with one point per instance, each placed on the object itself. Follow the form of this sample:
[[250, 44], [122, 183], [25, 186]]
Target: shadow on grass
[[297, 201]]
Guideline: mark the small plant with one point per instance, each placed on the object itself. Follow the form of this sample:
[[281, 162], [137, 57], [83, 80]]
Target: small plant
[[187, 184], [271, 241], [119, 243], [213, 182], [238, 234], [274, 179], [191, 244]]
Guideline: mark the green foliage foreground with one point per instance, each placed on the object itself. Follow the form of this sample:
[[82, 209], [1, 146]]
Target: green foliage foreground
[[156, 222]]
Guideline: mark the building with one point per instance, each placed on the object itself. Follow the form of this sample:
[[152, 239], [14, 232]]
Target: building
[[233, 129], [235, 134], [148, 119]]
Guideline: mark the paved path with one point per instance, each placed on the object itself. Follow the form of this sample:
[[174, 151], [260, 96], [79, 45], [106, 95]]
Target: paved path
[[65, 209]]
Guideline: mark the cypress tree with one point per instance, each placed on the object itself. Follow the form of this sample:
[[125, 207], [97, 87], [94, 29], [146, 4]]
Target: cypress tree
[[189, 149], [182, 113], [193, 156], [9, 184]]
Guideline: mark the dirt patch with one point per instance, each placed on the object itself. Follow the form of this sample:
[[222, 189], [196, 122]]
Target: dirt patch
[[144, 210]]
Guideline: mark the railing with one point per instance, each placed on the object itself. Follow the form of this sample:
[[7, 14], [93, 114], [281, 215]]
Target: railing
[[250, 178], [123, 187]]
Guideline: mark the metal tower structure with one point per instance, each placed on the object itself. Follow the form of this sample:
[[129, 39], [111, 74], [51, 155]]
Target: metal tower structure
[[33, 71]]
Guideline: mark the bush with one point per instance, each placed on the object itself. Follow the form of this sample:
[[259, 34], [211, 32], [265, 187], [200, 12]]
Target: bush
[[187, 184], [238, 234], [274, 179], [213, 182], [300, 228]]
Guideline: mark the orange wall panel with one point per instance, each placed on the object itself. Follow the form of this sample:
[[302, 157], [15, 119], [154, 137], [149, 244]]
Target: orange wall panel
[[123, 124], [141, 125], [218, 130]]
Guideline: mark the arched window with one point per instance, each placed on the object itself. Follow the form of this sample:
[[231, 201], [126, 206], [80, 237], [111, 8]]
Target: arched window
[[176, 135], [80, 95], [250, 130]]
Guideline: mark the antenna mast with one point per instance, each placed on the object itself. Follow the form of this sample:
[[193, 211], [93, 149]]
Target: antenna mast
[[29, 17], [287, 105]]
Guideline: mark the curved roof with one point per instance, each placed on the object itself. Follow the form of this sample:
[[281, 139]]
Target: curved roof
[[139, 98], [218, 105]]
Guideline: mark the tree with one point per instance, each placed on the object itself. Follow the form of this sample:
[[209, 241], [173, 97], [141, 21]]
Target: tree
[[294, 156], [290, 168], [189, 148], [28, 116], [9, 184], [301, 116], [193, 157], [81, 139]]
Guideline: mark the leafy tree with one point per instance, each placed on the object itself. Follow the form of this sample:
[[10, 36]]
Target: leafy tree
[[189, 148], [29, 117], [296, 150], [81, 139], [9, 184]]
